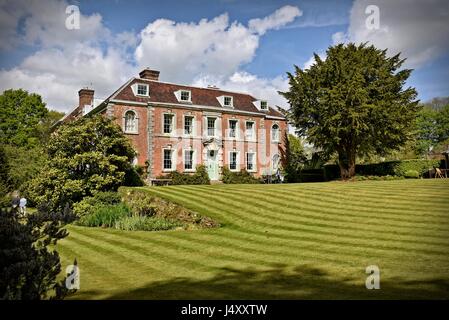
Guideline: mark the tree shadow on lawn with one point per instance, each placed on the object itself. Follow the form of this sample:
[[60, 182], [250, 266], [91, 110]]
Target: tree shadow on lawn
[[304, 282]]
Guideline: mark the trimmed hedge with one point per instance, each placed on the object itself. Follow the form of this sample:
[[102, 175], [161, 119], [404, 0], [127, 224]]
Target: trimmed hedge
[[199, 177], [392, 168], [311, 175], [243, 176]]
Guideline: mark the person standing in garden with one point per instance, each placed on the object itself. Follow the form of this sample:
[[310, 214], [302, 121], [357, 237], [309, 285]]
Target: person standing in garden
[[23, 205]]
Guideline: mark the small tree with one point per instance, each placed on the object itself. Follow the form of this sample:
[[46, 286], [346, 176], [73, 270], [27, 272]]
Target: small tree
[[28, 267], [21, 115], [84, 156], [353, 103], [293, 157]]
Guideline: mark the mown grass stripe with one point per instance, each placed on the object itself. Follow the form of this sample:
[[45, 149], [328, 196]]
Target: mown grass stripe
[[303, 228], [319, 235]]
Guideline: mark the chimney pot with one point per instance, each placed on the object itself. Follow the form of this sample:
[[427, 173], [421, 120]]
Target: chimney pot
[[86, 97], [149, 74]]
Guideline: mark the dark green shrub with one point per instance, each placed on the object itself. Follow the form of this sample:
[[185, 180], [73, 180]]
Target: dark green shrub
[[199, 177], [141, 203], [134, 177], [241, 177], [5, 200], [392, 168], [311, 175], [411, 174], [107, 197], [105, 216], [145, 223], [140, 200], [89, 204]]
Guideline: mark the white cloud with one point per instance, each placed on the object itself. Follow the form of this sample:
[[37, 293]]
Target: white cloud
[[43, 24], [241, 81], [185, 51], [67, 60], [274, 21], [339, 37], [58, 74], [418, 29]]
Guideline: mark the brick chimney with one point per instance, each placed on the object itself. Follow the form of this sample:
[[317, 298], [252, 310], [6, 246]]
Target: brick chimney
[[149, 74], [86, 97]]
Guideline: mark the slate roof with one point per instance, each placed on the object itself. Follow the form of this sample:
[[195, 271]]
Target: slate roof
[[165, 92]]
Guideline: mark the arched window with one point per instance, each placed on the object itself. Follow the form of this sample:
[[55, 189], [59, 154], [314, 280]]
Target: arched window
[[130, 122], [275, 133], [275, 162]]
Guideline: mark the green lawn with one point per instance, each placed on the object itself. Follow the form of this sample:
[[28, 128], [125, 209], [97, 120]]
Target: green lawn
[[293, 241]]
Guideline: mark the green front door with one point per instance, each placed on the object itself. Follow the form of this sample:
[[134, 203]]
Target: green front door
[[212, 164]]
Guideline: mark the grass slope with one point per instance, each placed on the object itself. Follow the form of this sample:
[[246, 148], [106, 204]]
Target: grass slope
[[295, 241]]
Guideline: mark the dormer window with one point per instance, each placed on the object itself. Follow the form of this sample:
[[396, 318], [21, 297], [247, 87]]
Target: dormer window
[[227, 101], [185, 95], [261, 105], [142, 89]]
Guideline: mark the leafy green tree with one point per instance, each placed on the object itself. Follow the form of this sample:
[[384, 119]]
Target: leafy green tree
[[28, 264], [4, 165], [442, 124], [45, 127], [353, 103], [24, 163], [84, 156], [426, 135], [293, 157], [432, 128], [21, 114]]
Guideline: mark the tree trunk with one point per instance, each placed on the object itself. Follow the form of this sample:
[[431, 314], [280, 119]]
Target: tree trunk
[[346, 161]]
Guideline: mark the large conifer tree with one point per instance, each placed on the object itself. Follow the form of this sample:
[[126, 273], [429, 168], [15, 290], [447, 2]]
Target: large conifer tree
[[353, 103]]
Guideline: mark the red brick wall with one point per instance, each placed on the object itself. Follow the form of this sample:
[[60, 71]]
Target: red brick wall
[[263, 147], [139, 140]]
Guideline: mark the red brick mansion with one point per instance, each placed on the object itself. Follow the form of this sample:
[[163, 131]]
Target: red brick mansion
[[177, 127]]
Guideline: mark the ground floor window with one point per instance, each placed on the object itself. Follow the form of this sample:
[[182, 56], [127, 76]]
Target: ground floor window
[[250, 161], [168, 159], [188, 159], [275, 163], [233, 160]]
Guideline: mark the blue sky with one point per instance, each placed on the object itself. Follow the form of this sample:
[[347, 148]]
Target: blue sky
[[244, 45]]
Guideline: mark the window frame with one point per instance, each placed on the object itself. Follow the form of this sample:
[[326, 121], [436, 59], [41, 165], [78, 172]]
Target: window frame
[[185, 91], [253, 136], [215, 126], [193, 160], [147, 89], [172, 159], [254, 163], [278, 133], [231, 102], [192, 133], [237, 162], [136, 120], [236, 136], [266, 105], [278, 160], [173, 124]]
